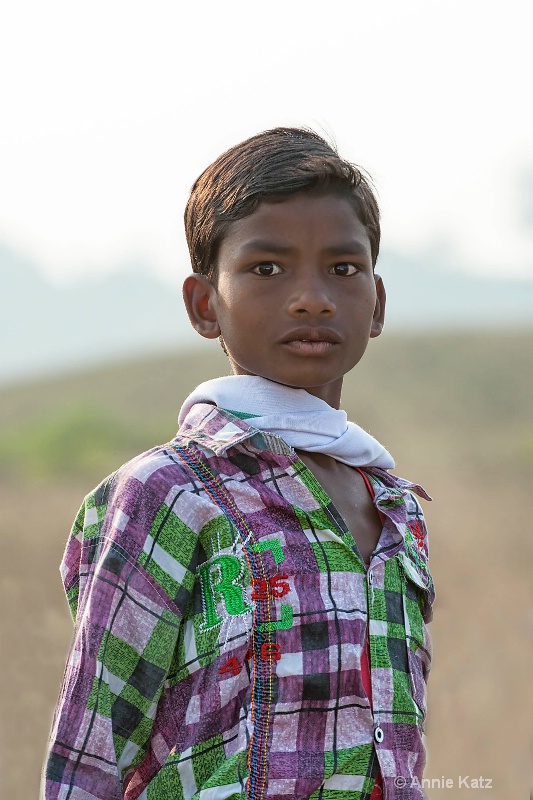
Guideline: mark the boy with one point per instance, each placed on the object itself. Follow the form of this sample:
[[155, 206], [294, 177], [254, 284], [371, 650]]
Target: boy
[[250, 599]]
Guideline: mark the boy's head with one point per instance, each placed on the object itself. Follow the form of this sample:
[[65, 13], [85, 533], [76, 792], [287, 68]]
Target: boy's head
[[269, 167], [284, 236]]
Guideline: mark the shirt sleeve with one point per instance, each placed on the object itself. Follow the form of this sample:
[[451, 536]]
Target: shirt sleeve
[[122, 585]]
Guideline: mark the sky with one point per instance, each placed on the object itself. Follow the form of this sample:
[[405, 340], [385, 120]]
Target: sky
[[111, 109]]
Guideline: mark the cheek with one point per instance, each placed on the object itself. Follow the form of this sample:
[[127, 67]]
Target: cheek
[[244, 307], [357, 307], [234, 299], [370, 301], [240, 323], [227, 306]]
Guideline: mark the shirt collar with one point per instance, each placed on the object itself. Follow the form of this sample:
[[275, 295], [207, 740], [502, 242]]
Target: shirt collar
[[217, 429]]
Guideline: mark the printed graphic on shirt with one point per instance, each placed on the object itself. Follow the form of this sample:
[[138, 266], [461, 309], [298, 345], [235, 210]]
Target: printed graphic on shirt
[[222, 578], [225, 585]]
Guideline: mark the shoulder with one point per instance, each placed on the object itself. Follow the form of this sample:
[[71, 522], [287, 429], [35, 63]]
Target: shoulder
[[126, 486], [144, 520], [125, 506], [174, 474], [155, 480]]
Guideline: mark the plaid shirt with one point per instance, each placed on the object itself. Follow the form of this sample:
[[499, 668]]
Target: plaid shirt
[[221, 608]]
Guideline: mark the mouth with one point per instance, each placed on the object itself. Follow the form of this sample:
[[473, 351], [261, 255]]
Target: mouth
[[312, 335], [311, 341]]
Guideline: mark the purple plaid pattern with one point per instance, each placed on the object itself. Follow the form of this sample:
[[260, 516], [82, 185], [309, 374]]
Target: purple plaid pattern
[[220, 608]]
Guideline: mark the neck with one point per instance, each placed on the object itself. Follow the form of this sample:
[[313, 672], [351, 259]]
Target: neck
[[330, 393]]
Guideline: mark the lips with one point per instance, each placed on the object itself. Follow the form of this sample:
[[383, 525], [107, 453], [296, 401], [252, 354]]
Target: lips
[[312, 335]]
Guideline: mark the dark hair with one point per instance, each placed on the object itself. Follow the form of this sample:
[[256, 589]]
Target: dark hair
[[269, 167]]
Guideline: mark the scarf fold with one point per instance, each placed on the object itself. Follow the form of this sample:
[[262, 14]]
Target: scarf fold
[[303, 421]]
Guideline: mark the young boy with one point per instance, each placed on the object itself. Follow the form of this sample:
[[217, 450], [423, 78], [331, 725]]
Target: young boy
[[250, 599]]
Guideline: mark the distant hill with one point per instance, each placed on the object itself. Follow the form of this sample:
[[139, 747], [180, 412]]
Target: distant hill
[[428, 292], [46, 329]]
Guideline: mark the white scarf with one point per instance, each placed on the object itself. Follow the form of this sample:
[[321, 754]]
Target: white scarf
[[303, 421]]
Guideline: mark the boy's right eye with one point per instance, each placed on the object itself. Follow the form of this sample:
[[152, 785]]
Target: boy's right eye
[[266, 269]]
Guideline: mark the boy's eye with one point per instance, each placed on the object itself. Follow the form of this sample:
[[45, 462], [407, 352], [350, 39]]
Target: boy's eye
[[344, 270], [266, 269]]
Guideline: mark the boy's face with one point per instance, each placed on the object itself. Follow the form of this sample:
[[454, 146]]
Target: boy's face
[[296, 298]]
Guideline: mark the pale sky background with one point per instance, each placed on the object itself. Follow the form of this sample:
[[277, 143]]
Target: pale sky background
[[110, 110]]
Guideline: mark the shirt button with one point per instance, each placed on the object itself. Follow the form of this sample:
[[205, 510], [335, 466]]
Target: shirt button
[[378, 734], [371, 577]]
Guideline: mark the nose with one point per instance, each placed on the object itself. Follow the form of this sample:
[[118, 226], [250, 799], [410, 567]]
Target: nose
[[309, 296]]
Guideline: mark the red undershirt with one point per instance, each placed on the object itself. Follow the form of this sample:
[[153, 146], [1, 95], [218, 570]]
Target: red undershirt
[[377, 792]]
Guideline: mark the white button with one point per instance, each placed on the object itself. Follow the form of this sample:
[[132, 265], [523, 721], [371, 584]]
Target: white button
[[378, 734], [371, 577]]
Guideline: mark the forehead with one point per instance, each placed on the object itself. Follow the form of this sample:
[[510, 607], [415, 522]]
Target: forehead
[[324, 221]]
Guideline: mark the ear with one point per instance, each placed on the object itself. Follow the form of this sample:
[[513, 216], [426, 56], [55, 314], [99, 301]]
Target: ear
[[378, 320], [198, 294]]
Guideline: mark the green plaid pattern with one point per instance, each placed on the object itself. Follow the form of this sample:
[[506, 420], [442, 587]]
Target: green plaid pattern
[[221, 609]]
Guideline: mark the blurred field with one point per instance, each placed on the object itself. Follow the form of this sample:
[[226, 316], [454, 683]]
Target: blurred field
[[456, 413]]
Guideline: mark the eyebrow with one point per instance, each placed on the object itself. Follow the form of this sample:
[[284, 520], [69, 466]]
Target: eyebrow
[[353, 247]]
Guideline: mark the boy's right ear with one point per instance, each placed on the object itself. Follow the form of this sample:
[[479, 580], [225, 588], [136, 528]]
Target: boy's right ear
[[198, 293]]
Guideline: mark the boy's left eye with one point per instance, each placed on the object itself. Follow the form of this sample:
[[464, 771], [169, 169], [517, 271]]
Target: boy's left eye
[[344, 270]]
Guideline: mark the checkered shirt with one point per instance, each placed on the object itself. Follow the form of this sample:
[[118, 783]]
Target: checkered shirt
[[221, 608]]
